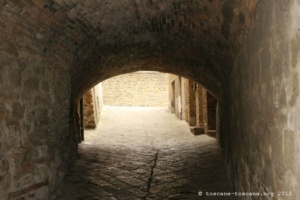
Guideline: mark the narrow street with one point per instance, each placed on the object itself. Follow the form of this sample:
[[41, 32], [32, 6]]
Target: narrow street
[[145, 153]]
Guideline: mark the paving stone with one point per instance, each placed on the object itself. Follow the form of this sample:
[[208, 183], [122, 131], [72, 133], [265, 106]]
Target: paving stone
[[150, 155]]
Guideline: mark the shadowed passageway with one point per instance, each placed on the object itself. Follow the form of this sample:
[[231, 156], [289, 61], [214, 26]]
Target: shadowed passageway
[[145, 153], [246, 53]]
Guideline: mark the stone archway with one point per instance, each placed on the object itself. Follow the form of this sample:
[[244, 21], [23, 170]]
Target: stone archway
[[245, 52]]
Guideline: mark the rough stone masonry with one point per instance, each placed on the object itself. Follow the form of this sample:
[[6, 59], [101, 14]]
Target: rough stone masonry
[[244, 52], [145, 88]]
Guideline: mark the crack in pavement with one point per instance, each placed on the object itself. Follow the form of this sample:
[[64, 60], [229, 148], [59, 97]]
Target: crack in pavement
[[151, 174], [152, 156]]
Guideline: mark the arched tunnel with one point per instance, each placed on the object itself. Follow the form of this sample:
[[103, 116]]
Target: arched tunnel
[[246, 53]]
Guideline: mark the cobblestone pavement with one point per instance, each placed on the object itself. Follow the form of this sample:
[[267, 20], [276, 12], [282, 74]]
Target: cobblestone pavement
[[145, 153]]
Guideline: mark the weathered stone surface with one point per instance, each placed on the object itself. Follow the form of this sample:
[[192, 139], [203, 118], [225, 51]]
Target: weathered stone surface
[[149, 155], [194, 104], [176, 104], [198, 130], [244, 52], [211, 112], [18, 111], [262, 143], [137, 89], [92, 105], [30, 126]]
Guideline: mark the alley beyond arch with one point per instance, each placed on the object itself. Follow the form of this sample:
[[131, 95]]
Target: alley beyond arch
[[145, 153]]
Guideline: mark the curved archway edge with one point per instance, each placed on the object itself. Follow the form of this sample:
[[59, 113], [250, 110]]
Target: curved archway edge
[[94, 75]]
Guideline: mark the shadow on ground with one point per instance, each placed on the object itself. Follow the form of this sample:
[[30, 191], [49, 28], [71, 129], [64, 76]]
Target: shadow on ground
[[145, 153]]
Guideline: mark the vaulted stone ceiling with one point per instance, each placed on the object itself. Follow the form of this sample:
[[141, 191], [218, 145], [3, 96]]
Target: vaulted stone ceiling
[[103, 38]]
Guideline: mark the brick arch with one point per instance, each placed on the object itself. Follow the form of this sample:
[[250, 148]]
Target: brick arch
[[45, 45], [95, 74], [83, 34]]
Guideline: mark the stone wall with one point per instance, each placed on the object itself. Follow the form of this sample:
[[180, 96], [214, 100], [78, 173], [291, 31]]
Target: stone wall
[[190, 103], [183, 99], [93, 102], [206, 111], [205, 120], [98, 101], [34, 121], [193, 103], [263, 134], [200, 106], [137, 89], [175, 96], [36, 146], [54, 51], [211, 111]]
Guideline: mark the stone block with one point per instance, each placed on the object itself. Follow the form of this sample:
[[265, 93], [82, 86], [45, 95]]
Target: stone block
[[211, 133], [197, 130]]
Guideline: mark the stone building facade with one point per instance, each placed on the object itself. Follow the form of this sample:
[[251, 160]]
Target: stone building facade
[[144, 88], [191, 102], [133, 89]]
